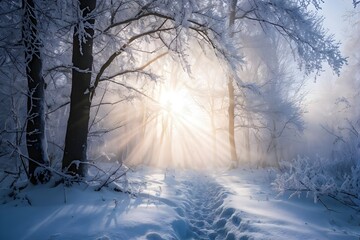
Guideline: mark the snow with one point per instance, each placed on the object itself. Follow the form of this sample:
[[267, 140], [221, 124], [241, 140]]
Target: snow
[[175, 204]]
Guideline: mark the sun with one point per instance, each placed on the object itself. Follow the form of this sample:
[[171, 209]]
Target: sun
[[174, 101]]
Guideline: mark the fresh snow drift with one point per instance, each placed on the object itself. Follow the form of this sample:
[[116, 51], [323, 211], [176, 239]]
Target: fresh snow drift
[[174, 204]]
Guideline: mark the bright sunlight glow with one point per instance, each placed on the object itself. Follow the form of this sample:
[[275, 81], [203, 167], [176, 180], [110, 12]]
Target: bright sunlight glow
[[176, 123], [174, 101]]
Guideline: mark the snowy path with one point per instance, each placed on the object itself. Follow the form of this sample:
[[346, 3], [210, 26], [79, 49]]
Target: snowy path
[[176, 205], [242, 205], [205, 212]]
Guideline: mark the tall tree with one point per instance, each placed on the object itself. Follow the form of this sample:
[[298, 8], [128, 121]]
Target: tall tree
[[75, 152], [35, 128], [231, 92]]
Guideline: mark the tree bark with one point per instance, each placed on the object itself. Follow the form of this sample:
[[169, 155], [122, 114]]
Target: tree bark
[[35, 123], [213, 127], [75, 152], [231, 109]]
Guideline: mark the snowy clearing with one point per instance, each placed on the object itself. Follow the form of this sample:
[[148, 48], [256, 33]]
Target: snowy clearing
[[174, 204]]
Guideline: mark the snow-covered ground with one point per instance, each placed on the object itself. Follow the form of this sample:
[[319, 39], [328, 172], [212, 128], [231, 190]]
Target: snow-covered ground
[[174, 204]]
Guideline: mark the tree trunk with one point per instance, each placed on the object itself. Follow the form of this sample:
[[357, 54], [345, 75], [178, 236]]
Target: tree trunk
[[35, 123], [247, 143], [77, 128], [274, 139], [213, 127], [231, 109]]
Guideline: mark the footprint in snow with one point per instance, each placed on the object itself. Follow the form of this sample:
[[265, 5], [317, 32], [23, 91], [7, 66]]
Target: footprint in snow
[[205, 213]]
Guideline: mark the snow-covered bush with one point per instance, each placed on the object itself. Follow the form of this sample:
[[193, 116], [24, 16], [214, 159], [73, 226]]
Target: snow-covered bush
[[351, 184], [101, 175], [305, 175], [319, 177]]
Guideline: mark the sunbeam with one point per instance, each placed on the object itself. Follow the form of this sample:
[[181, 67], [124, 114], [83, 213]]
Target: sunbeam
[[176, 122]]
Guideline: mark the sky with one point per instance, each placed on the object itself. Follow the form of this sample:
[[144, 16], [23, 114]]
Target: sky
[[334, 11]]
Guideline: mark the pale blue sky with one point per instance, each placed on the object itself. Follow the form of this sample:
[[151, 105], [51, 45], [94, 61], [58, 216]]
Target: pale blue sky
[[334, 11]]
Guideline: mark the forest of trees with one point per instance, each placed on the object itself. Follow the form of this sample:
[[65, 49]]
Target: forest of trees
[[166, 82]]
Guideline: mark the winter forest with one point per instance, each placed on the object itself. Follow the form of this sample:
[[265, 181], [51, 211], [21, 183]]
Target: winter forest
[[184, 119]]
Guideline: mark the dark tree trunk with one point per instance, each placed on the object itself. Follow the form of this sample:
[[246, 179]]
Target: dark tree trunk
[[77, 128], [35, 123]]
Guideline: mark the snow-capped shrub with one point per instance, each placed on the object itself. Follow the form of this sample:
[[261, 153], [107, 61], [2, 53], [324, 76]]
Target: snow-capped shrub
[[316, 177], [305, 175], [351, 183]]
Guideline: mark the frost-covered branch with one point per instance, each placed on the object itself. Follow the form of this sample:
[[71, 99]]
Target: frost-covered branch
[[355, 3], [136, 70], [304, 30], [120, 51], [314, 177]]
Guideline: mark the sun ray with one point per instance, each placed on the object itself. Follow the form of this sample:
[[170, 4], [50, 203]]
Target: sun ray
[[176, 124]]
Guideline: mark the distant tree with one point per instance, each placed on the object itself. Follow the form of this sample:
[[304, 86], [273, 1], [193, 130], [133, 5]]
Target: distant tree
[[277, 107], [231, 91]]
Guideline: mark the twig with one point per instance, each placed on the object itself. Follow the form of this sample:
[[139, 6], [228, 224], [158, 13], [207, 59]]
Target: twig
[[61, 174], [64, 190], [322, 202], [106, 181]]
